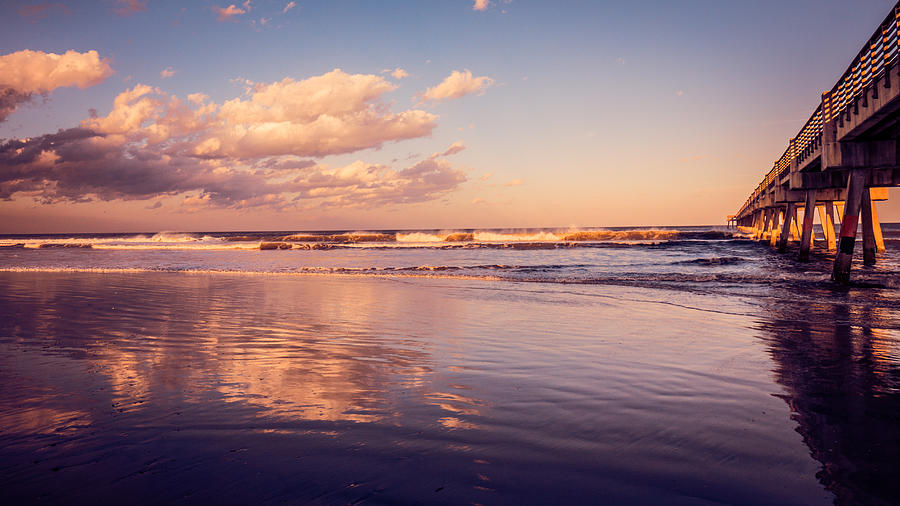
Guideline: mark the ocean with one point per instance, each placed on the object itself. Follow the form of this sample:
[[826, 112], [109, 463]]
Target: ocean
[[676, 365]]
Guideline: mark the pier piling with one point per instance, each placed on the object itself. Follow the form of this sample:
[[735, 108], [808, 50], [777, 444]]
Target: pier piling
[[826, 216], [787, 230], [844, 257], [773, 233], [868, 231], [806, 238], [876, 227], [795, 231]]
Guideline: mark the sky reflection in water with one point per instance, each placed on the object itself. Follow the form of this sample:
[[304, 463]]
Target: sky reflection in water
[[160, 387]]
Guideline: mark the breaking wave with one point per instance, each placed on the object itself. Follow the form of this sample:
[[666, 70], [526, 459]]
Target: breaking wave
[[541, 236], [497, 239]]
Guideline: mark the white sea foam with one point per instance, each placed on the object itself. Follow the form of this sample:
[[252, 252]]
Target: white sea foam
[[360, 239]]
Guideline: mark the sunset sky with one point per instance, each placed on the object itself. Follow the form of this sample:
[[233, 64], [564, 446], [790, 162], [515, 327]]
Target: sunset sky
[[146, 115]]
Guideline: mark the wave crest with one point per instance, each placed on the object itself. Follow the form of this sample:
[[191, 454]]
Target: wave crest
[[622, 235]]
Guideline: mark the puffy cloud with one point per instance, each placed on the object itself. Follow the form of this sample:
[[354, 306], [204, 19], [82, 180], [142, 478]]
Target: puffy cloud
[[329, 114], [399, 73], [226, 13], [167, 72], [78, 165], [38, 72], [248, 152], [289, 6], [481, 5], [335, 93], [130, 110], [323, 115], [198, 98], [456, 85], [126, 7], [26, 73]]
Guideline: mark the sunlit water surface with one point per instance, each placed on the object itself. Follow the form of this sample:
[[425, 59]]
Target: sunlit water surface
[[689, 368]]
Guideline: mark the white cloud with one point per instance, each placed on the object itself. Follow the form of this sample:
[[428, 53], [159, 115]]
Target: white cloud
[[333, 113], [399, 73], [26, 73], [39, 72], [198, 98], [456, 85], [226, 13], [252, 151], [328, 114]]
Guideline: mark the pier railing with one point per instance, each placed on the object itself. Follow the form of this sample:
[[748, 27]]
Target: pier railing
[[876, 56]]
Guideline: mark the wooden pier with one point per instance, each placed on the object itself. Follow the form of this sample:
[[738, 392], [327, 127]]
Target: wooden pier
[[840, 163]]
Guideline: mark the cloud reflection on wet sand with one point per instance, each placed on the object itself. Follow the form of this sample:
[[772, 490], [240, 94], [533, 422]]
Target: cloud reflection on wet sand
[[231, 388]]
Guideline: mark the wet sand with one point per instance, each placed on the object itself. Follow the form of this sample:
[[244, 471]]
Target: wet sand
[[218, 388]]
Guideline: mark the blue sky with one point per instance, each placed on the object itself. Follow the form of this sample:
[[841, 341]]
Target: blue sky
[[596, 113]]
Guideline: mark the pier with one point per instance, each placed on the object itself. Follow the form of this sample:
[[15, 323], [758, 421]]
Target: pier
[[840, 163]]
